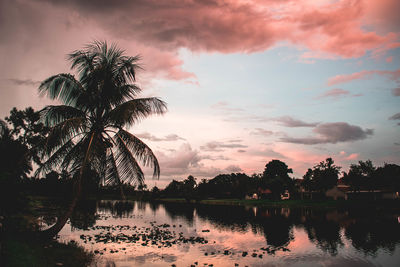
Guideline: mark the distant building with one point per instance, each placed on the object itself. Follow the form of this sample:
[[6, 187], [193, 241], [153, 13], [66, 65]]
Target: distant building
[[336, 193], [285, 195], [251, 196], [264, 193]]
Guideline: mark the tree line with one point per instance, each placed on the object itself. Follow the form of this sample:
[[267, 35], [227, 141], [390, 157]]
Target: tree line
[[276, 178], [22, 132]]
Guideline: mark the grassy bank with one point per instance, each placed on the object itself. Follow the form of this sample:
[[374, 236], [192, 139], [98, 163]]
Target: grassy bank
[[19, 249], [293, 203], [17, 252]]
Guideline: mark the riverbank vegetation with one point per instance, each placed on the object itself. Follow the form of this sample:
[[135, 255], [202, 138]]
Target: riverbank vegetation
[[22, 131]]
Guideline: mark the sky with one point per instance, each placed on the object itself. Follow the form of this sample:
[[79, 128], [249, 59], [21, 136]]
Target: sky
[[246, 81]]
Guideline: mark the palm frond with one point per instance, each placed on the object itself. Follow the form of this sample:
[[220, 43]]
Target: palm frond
[[134, 110], [74, 159], [112, 176], [63, 132], [53, 115], [125, 71], [141, 151], [82, 61], [125, 92], [55, 159], [128, 168], [63, 87], [98, 157]]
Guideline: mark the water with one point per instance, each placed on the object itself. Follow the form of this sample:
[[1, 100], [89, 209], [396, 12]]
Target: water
[[145, 234]]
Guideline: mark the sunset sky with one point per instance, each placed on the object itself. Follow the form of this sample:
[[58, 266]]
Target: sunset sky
[[246, 81]]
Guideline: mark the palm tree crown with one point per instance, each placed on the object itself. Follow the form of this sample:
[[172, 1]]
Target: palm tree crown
[[89, 129]]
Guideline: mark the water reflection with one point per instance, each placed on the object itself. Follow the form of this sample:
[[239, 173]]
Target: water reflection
[[323, 230], [155, 234], [369, 233], [180, 210], [84, 215]]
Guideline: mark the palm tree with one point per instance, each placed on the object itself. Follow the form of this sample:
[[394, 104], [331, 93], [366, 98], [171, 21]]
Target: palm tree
[[88, 131]]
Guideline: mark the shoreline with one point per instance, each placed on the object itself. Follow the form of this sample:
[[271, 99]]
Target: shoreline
[[384, 204], [322, 204]]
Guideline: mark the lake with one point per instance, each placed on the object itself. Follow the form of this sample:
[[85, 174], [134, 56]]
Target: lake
[[134, 233]]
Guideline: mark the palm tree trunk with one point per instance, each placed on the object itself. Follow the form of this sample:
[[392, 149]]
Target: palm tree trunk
[[61, 221], [123, 197], [77, 190]]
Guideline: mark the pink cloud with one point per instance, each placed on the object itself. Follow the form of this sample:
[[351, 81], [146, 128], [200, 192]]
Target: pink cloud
[[299, 158], [186, 161], [336, 29], [383, 14], [227, 26], [389, 59], [159, 29], [352, 156], [365, 74], [343, 157]]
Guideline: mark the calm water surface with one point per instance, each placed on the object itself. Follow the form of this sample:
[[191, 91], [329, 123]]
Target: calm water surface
[[145, 234]]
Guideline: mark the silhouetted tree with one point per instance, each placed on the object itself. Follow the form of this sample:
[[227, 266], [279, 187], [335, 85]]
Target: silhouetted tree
[[324, 175], [276, 177], [15, 162], [174, 189], [29, 130], [307, 180], [88, 130], [189, 185], [155, 192], [388, 176], [20, 136], [360, 175]]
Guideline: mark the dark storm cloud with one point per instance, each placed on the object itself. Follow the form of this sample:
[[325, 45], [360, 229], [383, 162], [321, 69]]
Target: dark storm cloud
[[332, 133]]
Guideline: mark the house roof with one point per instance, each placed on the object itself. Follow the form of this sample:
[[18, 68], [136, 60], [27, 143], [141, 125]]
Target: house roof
[[264, 191]]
